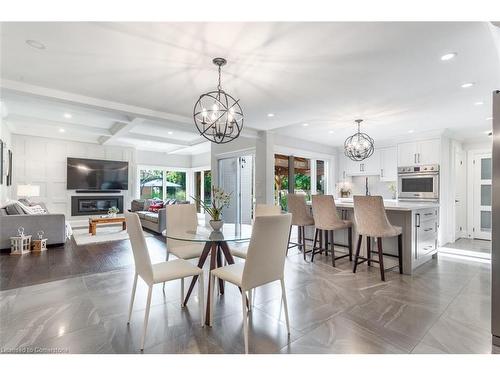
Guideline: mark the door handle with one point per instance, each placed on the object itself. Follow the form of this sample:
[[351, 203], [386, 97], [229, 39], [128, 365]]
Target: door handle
[[417, 216], [415, 158], [382, 172]]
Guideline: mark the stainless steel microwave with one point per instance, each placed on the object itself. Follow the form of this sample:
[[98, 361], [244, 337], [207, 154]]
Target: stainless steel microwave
[[419, 182]]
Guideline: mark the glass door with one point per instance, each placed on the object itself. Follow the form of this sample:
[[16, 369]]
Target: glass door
[[236, 176], [482, 196]]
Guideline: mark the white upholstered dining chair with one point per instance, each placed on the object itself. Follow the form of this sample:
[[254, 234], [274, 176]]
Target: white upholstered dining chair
[[182, 218], [265, 263], [240, 250], [156, 273]]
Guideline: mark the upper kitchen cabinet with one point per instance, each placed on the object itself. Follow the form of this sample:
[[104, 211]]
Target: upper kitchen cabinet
[[418, 153], [367, 167], [388, 164]]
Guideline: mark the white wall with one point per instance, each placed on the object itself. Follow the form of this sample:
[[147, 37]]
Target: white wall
[[200, 160], [42, 161], [163, 159], [6, 137]]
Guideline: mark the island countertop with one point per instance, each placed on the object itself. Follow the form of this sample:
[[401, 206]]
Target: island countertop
[[390, 204]]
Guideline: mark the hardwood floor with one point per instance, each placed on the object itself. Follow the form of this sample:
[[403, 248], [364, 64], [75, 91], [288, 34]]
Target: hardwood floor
[[70, 260]]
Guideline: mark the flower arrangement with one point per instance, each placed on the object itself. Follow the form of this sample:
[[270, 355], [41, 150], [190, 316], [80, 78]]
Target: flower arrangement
[[393, 189], [113, 211], [220, 200], [345, 191]]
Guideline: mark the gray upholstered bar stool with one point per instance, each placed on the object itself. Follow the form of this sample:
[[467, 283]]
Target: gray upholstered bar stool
[[301, 218], [326, 222], [371, 221]]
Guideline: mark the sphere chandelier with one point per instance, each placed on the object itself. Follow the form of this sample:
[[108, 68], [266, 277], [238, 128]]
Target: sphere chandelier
[[358, 146], [217, 115]]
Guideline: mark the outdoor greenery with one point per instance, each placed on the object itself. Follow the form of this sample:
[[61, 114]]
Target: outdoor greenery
[[151, 184]]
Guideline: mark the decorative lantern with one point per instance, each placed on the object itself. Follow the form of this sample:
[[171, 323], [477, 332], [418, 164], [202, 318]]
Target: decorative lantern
[[20, 244], [41, 243]]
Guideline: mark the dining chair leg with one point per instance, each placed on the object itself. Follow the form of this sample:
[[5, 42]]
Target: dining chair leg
[[316, 232], [369, 250], [349, 242], [358, 249], [381, 258], [146, 317], [333, 247], [166, 259], [201, 299], [182, 292], [304, 241], [211, 293], [400, 253], [285, 305], [132, 298], [250, 300], [245, 320]]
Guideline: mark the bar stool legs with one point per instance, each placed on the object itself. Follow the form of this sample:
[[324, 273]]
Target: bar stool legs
[[328, 237], [381, 254], [301, 241]]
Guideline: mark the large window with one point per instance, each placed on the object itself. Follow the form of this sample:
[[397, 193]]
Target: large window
[[309, 177], [202, 187], [151, 183], [162, 184]]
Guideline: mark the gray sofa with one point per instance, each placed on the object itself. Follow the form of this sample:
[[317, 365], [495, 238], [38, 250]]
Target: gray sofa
[[53, 226], [154, 221]]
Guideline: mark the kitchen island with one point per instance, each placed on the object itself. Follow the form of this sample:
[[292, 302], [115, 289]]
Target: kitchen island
[[420, 223]]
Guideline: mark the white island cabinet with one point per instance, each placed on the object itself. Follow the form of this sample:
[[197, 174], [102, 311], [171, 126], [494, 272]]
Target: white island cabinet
[[420, 223]]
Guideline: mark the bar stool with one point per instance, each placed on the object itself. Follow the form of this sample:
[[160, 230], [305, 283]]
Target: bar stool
[[326, 222], [301, 218], [371, 221]]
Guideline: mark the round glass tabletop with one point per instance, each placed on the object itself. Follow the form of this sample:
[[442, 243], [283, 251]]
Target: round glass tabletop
[[228, 233]]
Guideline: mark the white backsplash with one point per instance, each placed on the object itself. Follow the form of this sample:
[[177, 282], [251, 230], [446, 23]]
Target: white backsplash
[[375, 186]]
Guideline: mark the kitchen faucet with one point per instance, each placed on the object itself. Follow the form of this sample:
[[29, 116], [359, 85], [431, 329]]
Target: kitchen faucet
[[367, 192]]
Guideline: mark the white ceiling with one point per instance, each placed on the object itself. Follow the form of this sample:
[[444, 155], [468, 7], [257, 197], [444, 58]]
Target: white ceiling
[[322, 74]]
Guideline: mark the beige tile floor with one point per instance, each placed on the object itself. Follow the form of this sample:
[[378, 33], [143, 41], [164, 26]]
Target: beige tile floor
[[443, 308]]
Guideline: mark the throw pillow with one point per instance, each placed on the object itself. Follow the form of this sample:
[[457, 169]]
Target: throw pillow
[[14, 209], [137, 205], [33, 210], [155, 207]]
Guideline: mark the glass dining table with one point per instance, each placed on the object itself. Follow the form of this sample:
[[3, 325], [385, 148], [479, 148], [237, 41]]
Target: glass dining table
[[216, 245]]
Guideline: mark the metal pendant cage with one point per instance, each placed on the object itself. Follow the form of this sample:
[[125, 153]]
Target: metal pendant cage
[[217, 115], [359, 146]]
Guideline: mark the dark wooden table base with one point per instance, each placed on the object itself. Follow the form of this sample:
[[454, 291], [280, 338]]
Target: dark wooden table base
[[216, 250]]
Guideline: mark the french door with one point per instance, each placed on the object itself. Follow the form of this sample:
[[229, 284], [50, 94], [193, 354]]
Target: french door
[[482, 196]]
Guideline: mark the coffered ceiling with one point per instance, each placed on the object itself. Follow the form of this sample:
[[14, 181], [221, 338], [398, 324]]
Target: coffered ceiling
[[136, 83]]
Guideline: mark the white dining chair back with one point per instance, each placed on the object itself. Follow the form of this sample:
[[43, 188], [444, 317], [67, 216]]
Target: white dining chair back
[[180, 218], [142, 260], [266, 210], [267, 250]]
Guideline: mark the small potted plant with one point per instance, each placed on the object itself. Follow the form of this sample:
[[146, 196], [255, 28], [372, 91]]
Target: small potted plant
[[393, 189], [345, 192], [113, 211], [220, 200]]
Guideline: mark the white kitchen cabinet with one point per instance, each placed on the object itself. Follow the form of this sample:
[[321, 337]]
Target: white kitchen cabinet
[[367, 167], [418, 153], [388, 164]]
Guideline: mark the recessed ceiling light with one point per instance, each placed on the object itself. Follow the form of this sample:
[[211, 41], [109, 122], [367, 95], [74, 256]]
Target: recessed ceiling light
[[35, 44], [270, 115], [411, 131], [448, 56], [61, 130], [331, 131], [478, 103], [489, 118], [467, 85], [170, 133], [68, 115], [305, 124]]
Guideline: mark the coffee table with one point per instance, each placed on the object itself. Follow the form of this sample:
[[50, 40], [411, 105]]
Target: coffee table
[[93, 221]]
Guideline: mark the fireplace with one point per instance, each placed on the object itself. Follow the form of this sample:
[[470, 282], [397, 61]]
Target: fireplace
[[95, 204]]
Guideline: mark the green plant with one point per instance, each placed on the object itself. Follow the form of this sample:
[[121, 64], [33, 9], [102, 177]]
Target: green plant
[[113, 210], [220, 199]]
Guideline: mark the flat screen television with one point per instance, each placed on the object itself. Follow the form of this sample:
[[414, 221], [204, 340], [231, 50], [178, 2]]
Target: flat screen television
[[91, 174]]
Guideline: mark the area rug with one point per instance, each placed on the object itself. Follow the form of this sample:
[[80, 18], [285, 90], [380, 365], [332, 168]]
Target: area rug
[[103, 234]]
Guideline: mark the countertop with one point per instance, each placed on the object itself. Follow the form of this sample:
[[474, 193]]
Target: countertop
[[391, 204]]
